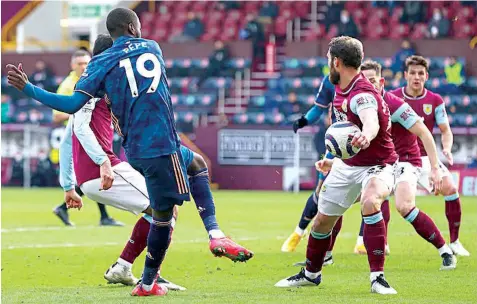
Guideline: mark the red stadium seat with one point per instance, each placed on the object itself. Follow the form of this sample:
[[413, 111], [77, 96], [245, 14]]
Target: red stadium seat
[[159, 34], [182, 6], [200, 6], [419, 31], [210, 35], [359, 15], [463, 30], [147, 17], [376, 31], [352, 5], [302, 8], [251, 6], [280, 26], [315, 32], [379, 13], [234, 14], [399, 31], [466, 13], [396, 15], [286, 13]]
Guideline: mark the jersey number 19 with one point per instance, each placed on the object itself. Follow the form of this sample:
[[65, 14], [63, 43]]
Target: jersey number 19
[[155, 73]]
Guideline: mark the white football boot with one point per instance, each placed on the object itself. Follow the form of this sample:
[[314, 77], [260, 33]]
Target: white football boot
[[458, 249], [121, 274], [381, 286]]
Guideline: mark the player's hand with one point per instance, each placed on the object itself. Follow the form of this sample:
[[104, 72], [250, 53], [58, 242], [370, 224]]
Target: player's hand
[[324, 165], [300, 123], [360, 140], [73, 200], [449, 157], [436, 180], [107, 176], [16, 76]]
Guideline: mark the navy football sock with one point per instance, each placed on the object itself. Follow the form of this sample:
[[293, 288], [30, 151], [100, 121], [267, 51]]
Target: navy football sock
[[200, 190], [311, 209], [102, 211], [63, 206], [157, 243], [361, 229]]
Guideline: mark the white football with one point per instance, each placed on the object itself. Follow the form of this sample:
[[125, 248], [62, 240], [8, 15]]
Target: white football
[[338, 139]]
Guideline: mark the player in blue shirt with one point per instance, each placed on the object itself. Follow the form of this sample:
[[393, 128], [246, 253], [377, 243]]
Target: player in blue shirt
[[132, 74], [323, 100]]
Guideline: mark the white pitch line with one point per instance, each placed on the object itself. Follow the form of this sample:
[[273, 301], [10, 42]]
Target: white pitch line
[[51, 228]]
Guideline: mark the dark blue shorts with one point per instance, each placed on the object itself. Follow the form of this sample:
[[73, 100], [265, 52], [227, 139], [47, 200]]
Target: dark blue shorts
[[166, 180]]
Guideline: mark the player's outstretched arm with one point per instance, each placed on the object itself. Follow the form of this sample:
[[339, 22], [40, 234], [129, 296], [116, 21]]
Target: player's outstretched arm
[[68, 104], [447, 137], [67, 173], [369, 118]]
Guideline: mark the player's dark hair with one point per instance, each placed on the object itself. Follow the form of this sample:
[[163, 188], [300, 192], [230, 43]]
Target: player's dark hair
[[348, 49], [102, 43], [417, 60], [371, 65], [118, 21]]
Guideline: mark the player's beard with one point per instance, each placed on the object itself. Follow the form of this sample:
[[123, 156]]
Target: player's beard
[[334, 76]]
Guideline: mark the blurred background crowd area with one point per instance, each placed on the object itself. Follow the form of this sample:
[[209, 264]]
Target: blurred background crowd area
[[253, 64]]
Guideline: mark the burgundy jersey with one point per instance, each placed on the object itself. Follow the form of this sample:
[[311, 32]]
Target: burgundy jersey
[[430, 106], [100, 124], [403, 118], [359, 95]]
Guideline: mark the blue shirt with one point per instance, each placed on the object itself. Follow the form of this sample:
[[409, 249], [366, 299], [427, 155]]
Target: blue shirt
[[323, 99], [133, 76]]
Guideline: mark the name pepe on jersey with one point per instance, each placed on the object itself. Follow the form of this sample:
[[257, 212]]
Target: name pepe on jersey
[[134, 68]]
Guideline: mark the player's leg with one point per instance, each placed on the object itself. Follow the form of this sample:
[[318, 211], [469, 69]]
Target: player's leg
[[453, 212], [338, 193], [405, 194], [377, 185], [61, 211], [359, 248], [167, 186], [219, 244], [334, 234], [309, 212]]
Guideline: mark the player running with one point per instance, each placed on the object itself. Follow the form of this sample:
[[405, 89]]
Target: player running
[[132, 74], [86, 150], [430, 106], [407, 127], [370, 172]]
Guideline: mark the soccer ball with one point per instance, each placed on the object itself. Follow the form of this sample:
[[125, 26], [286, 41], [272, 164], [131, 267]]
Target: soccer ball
[[338, 139]]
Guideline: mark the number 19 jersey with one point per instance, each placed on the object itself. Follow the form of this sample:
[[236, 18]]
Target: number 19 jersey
[[132, 74]]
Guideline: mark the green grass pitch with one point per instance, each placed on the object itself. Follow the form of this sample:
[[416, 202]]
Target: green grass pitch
[[43, 262]]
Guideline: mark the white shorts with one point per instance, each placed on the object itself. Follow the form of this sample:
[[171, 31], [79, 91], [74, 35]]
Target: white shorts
[[128, 192], [406, 172], [424, 179], [343, 185]]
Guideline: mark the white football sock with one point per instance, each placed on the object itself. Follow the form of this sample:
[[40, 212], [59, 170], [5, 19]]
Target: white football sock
[[359, 240], [299, 231], [216, 234], [373, 275], [124, 263], [445, 249], [312, 275], [147, 287]]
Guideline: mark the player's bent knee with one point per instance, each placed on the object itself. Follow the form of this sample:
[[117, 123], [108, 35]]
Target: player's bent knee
[[324, 223], [370, 203], [163, 216], [448, 187], [405, 206], [198, 163]]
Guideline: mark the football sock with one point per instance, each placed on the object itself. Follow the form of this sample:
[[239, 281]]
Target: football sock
[[309, 212], [204, 201], [158, 241], [137, 242], [335, 232], [318, 244], [425, 227], [453, 214], [102, 211], [63, 206], [386, 213], [375, 240]]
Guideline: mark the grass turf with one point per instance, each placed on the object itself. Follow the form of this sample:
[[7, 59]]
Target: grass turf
[[43, 262]]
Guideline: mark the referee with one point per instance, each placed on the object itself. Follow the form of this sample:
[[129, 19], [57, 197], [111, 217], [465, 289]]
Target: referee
[[79, 61]]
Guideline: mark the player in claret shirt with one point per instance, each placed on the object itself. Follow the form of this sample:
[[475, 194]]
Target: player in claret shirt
[[430, 106], [369, 174], [407, 127]]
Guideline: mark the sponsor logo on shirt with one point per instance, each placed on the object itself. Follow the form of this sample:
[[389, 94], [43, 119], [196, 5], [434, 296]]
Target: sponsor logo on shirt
[[344, 105], [406, 114]]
